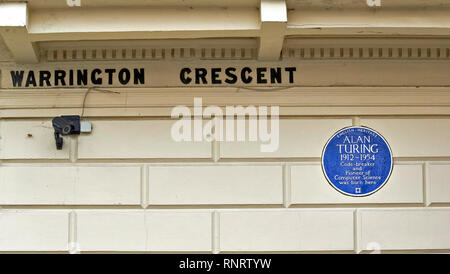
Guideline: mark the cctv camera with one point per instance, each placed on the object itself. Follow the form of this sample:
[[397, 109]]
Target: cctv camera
[[62, 125], [65, 125]]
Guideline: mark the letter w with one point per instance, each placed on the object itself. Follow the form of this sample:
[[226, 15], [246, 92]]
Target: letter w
[[265, 263], [17, 78]]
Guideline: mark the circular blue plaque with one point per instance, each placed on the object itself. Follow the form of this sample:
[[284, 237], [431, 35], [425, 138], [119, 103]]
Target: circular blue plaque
[[357, 161]]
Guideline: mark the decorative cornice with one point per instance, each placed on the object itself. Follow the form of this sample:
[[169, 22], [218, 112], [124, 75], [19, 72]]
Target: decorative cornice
[[367, 48], [422, 53], [182, 49], [135, 53], [298, 48], [313, 53]]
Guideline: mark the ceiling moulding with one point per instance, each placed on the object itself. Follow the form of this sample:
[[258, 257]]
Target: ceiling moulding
[[36, 4], [367, 53], [362, 4], [366, 48], [102, 54], [292, 4], [199, 49], [247, 49]]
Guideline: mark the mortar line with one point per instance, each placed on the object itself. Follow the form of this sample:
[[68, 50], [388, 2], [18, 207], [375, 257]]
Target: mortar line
[[215, 150], [215, 232], [426, 184], [357, 230], [73, 149], [286, 185], [144, 186], [73, 233], [356, 121]]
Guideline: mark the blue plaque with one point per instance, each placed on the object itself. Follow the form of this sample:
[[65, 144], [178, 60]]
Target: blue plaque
[[357, 161]]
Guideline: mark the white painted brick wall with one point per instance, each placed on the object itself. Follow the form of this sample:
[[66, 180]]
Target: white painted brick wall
[[293, 230], [30, 139], [406, 229], [137, 139], [34, 230], [215, 184], [134, 230], [309, 186], [66, 185], [128, 187], [440, 183], [109, 231], [420, 137], [298, 138]]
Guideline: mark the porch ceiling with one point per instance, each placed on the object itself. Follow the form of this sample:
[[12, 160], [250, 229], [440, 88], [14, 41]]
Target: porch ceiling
[[25, 25]]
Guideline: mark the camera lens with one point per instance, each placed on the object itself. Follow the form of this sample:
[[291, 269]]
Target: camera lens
[[66, 129]]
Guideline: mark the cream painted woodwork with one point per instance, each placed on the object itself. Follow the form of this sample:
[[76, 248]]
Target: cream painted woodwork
[[129, 187]]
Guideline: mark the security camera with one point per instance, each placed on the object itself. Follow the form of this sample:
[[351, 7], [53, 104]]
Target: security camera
[[69, 125], [65, 125]]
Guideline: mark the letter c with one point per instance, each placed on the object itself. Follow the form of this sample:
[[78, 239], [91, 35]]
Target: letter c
[[245, 75], [185, 79]]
